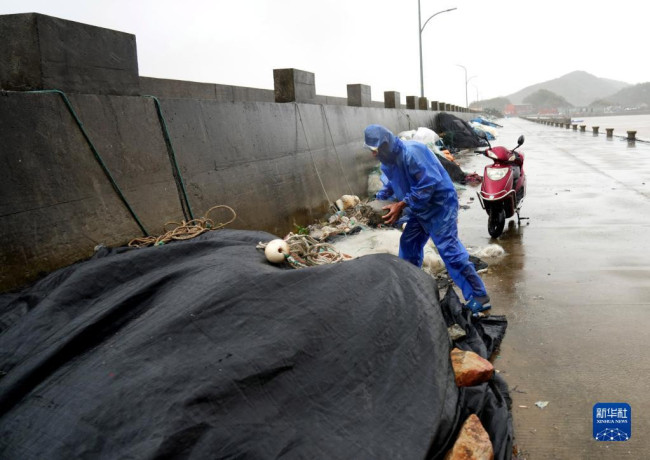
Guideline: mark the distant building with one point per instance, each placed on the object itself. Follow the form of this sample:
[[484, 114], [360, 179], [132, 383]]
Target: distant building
[[519, 109]]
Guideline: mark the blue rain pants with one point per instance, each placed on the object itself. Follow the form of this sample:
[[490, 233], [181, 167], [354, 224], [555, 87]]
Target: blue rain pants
[[451, 250]]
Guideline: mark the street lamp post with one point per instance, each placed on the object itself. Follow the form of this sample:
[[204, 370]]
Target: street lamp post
[[466, 81], [420, 29]]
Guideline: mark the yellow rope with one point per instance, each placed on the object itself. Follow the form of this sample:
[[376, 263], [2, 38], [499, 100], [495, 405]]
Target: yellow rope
[[184, 230]]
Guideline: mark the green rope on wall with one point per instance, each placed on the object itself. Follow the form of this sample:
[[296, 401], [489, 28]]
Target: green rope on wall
[[185, 203], [95, 153]]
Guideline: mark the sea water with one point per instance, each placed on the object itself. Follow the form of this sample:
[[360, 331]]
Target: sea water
[[620, 123]]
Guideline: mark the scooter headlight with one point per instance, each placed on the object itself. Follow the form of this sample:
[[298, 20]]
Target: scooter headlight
[[491, 154], [497, 173]]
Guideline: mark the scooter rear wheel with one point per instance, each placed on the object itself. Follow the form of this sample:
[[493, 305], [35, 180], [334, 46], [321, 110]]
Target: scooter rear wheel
[[496, 221]]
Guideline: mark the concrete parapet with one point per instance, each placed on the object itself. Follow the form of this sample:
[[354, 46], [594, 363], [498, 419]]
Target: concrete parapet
[[359, 95], [42, 52], [293, 85], [330, 100], [274, 164], [392, 100], [177, 89]]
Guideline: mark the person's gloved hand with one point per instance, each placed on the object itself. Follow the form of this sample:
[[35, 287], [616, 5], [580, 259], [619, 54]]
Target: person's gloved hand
[[394, 211]]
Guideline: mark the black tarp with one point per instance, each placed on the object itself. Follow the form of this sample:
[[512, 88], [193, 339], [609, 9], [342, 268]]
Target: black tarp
[[202, 349], [456, 132]]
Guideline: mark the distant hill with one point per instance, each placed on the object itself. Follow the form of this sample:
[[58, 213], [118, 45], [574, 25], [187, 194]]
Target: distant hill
[[545, 99], [579, 88], [637, 96]]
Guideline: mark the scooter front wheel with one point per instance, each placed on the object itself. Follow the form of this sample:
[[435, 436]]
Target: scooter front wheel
[[496, 221]]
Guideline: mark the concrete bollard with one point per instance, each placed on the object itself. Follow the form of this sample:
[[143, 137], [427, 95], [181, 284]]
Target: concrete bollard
[[423, 103], [293, 85], [391, 100], [575, 127], [582, 128], [411, 102], [567, 125], [631, 135], [610, 132], [42, 52], [359, 95], [595, 129], [434, 106]]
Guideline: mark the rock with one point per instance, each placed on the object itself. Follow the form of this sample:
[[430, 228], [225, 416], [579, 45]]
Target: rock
[[473, 442], [456, 332], [347, 202], [373, 212], [469, 368]]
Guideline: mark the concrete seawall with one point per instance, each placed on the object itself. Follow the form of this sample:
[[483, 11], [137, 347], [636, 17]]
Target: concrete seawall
[[275, 164]]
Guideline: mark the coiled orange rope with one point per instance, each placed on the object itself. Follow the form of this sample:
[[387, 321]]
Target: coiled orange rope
[[184, 230]]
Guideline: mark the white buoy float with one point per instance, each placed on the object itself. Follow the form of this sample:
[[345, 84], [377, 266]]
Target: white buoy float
[[276, 250]]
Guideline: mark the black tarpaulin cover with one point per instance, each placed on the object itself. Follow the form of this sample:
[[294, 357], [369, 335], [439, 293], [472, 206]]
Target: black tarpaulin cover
[[202, 349], [456, 132]]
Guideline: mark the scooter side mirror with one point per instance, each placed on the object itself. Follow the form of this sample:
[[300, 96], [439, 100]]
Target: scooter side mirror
[[520, 141]]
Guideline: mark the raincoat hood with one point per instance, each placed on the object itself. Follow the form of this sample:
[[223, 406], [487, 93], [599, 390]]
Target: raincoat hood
[[378, 137]]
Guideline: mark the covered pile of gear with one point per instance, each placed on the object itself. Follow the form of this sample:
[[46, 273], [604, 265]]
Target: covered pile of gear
[[203, 349]]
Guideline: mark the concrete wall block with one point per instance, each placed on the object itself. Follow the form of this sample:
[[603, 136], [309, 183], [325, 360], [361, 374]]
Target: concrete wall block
[[43, 52], [359, 95], [423, 103], [293, 85], [392, 100], [412, 102]]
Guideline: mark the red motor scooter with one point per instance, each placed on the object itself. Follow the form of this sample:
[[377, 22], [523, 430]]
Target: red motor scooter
[[504, 186]]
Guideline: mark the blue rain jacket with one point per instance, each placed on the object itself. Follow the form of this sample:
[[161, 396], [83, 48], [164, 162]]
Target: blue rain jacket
[[417, 177]]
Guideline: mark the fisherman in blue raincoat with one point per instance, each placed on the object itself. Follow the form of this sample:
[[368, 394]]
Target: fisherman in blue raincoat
[[418, 180]]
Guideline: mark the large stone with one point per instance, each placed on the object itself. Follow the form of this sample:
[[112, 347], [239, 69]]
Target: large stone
[[374, 212], [473, 442], [469, 368]]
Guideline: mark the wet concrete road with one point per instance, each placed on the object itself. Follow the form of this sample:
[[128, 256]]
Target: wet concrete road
[[575, 287]]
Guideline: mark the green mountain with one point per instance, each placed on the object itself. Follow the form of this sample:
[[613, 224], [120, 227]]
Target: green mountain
[[579, 88]]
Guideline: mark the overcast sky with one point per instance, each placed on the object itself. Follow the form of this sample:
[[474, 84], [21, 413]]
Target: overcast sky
[[505, 45]]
